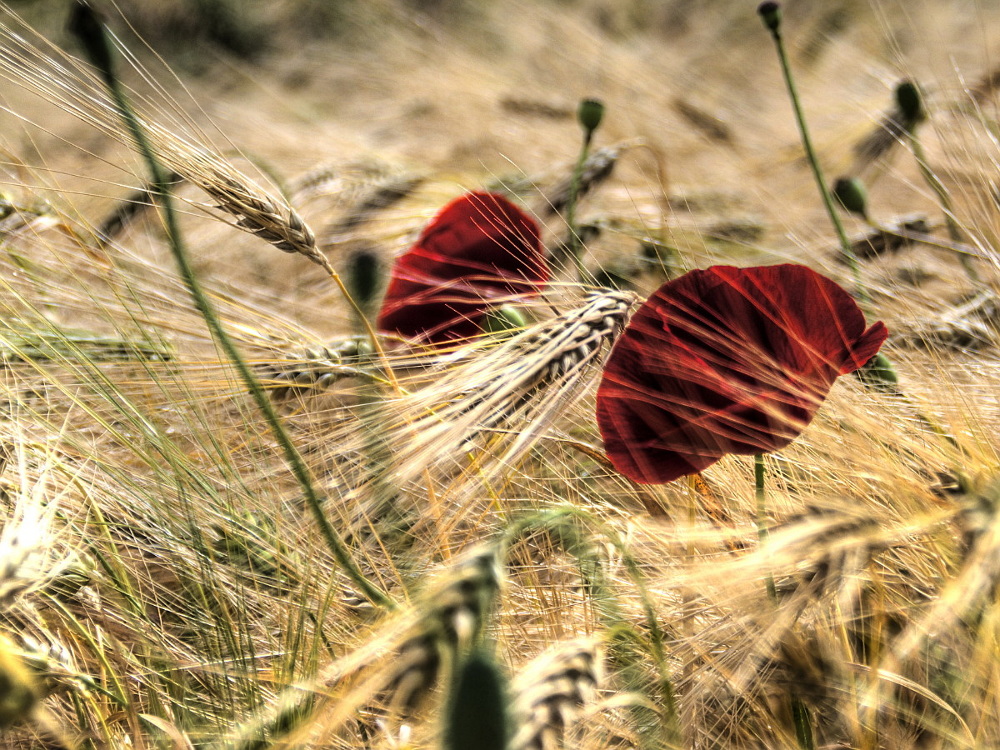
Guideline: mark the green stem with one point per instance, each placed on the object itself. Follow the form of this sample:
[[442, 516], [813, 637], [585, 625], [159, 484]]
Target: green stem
[[803, 725], [575, 244], [760, 492], [162, 189], [845, 243]]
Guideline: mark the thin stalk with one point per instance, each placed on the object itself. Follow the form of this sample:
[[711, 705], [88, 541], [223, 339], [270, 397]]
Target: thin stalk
[[92, 33], [774, 26], [589, 115], [803, 725], [575, 245], [760, 492]]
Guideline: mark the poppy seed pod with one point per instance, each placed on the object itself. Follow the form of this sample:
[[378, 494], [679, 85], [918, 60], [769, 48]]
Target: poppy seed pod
[[476, 711], [851, 194], [590, 113], [911, 104], [879, 374], [503, 320], [364, 276], [770, 13], [478, 252], [726, 360]]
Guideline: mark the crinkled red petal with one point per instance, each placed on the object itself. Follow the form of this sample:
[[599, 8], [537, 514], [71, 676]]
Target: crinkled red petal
[[726, 360], [479, 250]]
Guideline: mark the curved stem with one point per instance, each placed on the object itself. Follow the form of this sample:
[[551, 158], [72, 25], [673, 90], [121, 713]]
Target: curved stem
[[845, 244], [292, 456]]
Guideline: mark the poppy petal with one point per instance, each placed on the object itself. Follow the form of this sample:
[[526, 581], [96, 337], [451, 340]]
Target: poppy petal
[[479, 250], [726, 360]]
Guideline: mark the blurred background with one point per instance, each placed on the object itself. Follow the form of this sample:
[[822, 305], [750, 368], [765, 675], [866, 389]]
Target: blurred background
[[460, 94]]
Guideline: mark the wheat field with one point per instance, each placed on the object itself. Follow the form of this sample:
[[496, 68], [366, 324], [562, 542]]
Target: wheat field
[[237, 515]]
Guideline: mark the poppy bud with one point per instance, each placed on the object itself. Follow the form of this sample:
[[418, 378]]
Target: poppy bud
[[851, 195], [910, 103], [504, 320], [87, 25], [770, 12], [879, 374], [364, 276], [590, 113]]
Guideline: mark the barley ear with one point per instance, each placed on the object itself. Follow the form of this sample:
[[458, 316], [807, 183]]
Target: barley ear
[[550, 692]]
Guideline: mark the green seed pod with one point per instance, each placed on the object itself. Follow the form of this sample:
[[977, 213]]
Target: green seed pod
[[879, 374], [476, 716], [911, 104], [503, 320], [770, 13], [364, 277], [590, 113], [851, 195]]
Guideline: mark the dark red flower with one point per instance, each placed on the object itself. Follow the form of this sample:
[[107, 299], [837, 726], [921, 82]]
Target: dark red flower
[[479, 250], [726, 360]]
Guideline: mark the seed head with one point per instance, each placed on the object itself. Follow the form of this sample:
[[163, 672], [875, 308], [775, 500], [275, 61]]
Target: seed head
[[910, 103], [851, 194], [589, 114], [770, 13]]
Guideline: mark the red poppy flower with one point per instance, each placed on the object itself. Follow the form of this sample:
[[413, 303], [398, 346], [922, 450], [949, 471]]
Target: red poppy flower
[[726, 360], [479, 250]]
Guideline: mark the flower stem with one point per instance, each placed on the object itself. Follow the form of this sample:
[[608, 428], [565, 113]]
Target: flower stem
[[575, 245], [846, 250], [90, 28], [761, 495], [589, 115]]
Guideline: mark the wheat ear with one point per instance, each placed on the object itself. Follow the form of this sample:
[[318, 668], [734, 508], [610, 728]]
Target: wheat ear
[[536, 369], [551, 690]]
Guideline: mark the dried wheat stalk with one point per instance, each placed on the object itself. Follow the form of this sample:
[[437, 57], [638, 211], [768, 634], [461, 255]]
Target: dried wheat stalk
[[556, 354], [64, 81], [269, 218], [317, 367], [552, 354], [536, 371]]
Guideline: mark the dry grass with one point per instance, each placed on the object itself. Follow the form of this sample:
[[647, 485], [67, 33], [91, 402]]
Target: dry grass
[[161, 581]]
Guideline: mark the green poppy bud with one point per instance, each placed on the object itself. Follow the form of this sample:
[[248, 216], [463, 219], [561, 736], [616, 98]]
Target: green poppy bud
[[879, 374], [364, 277], [910, 103], [590, 113], [503, 320], [770, 13], [851, 195]]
